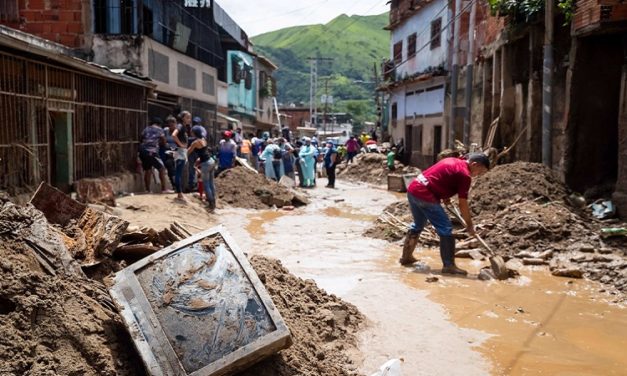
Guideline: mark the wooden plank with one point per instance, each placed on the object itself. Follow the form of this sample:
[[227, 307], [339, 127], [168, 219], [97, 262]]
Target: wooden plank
[[58, 207]]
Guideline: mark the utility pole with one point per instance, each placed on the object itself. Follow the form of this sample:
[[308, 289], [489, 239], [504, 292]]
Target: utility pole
[[454, 74], [313, 86], [377, 101], [469, 73], [547, 84], [326, 105]]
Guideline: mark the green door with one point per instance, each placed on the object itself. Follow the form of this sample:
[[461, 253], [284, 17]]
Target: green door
[[63, 148]]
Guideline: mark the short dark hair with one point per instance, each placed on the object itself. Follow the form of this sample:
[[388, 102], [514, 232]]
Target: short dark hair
[[156, 120], [479, 158]]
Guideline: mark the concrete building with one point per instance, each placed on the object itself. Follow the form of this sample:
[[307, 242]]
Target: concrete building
[[175, 43], [64, 119], [416, 78], [588, 142], [266, 119]]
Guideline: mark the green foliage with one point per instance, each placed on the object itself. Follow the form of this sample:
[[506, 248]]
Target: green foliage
[[362, 110], [521, 11], [356, 43]]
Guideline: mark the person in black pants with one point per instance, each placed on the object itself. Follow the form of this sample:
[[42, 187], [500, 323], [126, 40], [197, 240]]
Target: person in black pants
[[330, 162]]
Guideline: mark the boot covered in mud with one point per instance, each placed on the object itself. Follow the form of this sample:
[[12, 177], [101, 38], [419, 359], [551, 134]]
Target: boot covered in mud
[[447, 252], [411, 240]]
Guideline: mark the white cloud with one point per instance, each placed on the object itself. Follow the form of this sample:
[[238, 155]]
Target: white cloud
[[260, 16]]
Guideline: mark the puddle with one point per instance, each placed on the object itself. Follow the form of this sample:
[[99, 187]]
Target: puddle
[[347, 213], [258, 220], [541, 324]]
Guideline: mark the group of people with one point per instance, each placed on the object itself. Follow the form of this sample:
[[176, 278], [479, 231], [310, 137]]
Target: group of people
[[170, 147]]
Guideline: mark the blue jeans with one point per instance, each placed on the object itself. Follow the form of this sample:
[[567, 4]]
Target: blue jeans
[[423, 211], [206, 170], [178, 176], [191, 177]]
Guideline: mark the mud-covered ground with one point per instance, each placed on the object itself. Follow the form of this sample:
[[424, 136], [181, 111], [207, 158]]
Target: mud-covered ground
[[521, 210], [372, 168], [58, 321]]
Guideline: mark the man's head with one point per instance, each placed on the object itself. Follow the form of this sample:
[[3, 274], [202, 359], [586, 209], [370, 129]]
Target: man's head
[[330, 144], [170, 121], [238, 130], [156, 121], [394, 149], [196, 120], [228, 135], [478, 163], [307, 140]]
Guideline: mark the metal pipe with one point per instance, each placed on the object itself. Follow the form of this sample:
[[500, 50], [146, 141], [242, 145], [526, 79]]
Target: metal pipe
[[469, 73], [454, 74], [547, 85]]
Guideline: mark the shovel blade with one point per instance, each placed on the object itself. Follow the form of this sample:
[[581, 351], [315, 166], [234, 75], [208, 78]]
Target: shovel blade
[[498, 267]]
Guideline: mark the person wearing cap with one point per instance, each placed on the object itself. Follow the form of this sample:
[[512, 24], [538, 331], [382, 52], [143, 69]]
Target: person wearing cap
[[206, 163], [437, 184], [226, 152], [307, 161], [152, 138]]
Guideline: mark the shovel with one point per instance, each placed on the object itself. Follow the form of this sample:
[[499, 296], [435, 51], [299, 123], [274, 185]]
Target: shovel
[[496, 262]]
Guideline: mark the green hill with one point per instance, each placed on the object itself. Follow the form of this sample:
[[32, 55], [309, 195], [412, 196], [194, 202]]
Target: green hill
[[355, 43]]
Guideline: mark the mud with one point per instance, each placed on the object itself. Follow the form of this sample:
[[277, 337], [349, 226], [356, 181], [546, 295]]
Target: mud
[[242, 188], [523, 214], [515, 182], [371, 168], [323, 327], [62, 324]]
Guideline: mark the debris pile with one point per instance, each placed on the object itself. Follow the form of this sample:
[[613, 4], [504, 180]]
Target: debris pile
[[243, 188], [521, 210], [323, 327], [371, 168], [58, 318], [507, 184]]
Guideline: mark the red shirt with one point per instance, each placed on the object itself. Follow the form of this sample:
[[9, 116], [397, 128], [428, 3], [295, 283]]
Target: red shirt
[[447, 178]]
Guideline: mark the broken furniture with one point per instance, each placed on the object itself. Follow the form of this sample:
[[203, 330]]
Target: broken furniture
[[198, 308]]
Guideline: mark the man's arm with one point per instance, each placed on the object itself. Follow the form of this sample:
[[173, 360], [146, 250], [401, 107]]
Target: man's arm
[[465, 211]]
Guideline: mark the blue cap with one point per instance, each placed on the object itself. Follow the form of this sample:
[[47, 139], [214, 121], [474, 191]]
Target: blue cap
[[197, 120], [199, 130]]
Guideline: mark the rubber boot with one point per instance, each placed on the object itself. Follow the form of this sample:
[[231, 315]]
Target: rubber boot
[[411, 240], [447, 252]]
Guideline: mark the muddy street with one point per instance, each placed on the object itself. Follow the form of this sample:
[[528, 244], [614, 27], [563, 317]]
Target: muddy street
[[534, 324]]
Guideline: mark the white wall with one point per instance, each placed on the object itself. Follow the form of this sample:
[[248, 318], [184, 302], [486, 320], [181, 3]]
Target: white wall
[[420, 23]]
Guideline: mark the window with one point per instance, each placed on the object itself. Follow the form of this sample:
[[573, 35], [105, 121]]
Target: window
[[208, 84], [398, 53], [436, 33], [9, 11], [411, 46], [115, 17]]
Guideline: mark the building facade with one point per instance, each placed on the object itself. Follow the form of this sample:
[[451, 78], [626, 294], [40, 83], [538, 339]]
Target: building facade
[[63, 119], [416, 79]]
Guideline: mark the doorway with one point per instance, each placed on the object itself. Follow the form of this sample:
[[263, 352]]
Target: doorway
[[437, 142], [61, 150], [408, 143]]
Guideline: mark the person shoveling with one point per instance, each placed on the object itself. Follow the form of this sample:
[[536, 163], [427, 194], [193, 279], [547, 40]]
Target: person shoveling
[[438, 183]]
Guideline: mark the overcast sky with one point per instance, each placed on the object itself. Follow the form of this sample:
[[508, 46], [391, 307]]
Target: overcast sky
[[259, 16]]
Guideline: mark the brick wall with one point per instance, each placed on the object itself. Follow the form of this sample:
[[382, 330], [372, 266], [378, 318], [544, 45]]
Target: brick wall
[[487, 30], [60, 21], [591, 13]]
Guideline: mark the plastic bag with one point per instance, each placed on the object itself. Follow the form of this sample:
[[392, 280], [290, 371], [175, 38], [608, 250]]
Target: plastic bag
[[391, 368]]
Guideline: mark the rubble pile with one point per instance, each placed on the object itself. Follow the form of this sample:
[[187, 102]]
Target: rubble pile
[[507, 184], [243, 188], [371, 168], [58, 318], [323, 327], [521, 211]]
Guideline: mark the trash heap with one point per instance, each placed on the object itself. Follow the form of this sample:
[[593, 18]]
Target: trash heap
[[521, 209], [371, 168], [58, 318], [240, 187]]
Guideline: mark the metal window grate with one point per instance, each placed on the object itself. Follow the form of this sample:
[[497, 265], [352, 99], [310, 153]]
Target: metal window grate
[[9, 11]]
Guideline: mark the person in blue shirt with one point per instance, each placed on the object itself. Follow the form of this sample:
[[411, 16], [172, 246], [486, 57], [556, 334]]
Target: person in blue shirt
[[152, 138], [226, 152], [330, 162]]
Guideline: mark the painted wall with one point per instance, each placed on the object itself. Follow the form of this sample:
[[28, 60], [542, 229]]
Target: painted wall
[[242, 82], [420, 23]]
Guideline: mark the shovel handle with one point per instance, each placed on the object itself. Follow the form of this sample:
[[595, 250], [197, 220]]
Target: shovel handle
[[455, 211]]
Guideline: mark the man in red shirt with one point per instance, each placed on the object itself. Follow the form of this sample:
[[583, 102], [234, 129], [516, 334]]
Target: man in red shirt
[[438, 183]]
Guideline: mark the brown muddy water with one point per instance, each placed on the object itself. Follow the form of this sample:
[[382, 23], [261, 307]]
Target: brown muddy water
[[536, 324]]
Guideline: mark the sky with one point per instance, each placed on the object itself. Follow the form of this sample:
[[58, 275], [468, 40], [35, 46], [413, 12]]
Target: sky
[[260, 16]]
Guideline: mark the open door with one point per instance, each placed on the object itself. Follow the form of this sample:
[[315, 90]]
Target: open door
[[61, 150], [409, 140], [437, 142]]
